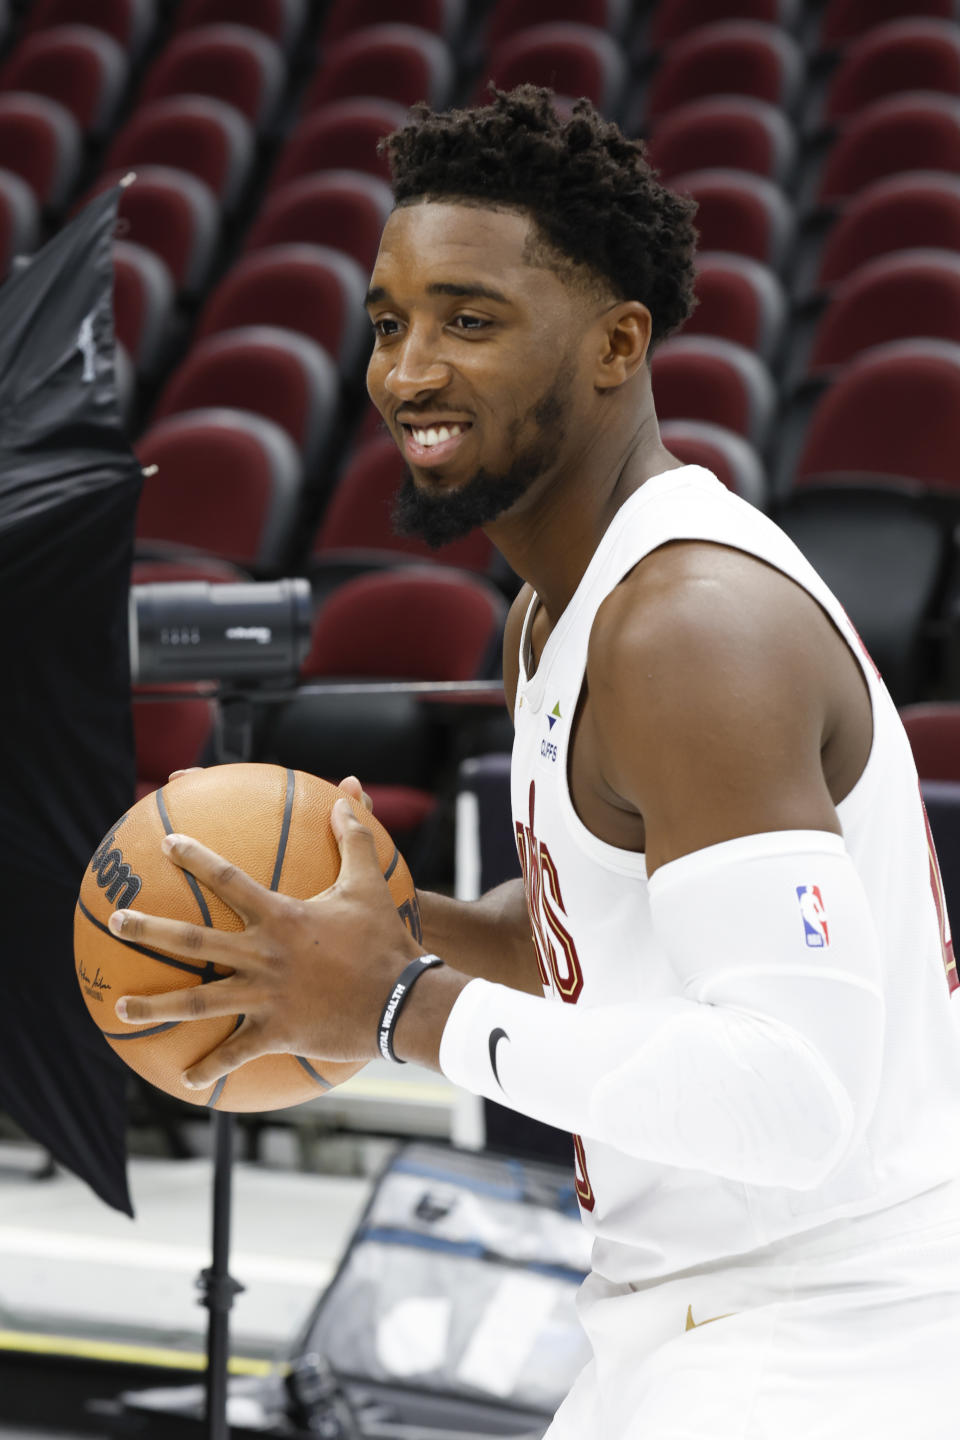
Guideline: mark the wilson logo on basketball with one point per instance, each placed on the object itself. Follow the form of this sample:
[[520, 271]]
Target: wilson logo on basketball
[[114, 875]]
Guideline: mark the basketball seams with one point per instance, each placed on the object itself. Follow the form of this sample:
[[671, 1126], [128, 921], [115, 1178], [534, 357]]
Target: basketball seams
[[141, 1034], [314, 1074], [190, 879], [158, 955], [284, 829]]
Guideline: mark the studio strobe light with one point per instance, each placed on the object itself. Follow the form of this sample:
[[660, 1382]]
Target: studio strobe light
[[244, 635]]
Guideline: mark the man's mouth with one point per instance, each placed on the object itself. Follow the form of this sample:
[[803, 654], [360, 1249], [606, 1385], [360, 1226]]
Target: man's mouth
[[432, 444]]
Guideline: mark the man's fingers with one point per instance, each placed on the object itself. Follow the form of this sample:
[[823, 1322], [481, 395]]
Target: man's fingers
[[358, 849], [233, 886], [243, 1045], [198, 1002], [177, 937], [356, 791]]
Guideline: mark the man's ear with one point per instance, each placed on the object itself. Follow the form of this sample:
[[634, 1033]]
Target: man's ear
[[624, 341]]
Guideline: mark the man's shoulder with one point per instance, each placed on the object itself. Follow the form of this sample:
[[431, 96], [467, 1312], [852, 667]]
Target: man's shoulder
[[702, 624], [690, 592]]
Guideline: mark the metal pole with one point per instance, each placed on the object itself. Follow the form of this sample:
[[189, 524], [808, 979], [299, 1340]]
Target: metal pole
[[218, 1286]]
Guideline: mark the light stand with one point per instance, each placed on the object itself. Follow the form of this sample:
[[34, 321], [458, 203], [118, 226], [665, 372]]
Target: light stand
[[218, 1285]]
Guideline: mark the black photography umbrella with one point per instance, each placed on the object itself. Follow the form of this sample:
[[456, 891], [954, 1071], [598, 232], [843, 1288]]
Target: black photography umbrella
[[69, 486]]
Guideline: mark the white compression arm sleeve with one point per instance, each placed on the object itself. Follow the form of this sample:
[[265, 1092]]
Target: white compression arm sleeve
[[765, 1068]]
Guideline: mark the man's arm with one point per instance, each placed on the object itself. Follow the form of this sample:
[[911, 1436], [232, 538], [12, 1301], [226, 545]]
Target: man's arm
[[490, 937]]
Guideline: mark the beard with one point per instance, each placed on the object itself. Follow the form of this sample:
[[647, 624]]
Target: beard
[[440, 519]]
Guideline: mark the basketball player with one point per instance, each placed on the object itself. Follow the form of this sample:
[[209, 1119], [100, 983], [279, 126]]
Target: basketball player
[[728, 967]]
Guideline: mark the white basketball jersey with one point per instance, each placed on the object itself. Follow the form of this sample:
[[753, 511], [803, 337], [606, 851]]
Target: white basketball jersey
[[591, 920]]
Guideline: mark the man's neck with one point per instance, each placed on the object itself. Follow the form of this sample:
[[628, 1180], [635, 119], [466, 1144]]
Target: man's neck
[[551, 540]]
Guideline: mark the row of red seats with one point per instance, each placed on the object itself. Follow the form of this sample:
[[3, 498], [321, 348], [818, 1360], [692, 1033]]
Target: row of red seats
[[715, 384], [691, 373]]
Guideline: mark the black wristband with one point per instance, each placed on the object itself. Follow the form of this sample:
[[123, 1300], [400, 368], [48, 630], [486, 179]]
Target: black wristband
[[396, 1001]]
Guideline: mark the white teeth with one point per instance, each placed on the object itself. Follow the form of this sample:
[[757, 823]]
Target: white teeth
[[435, 435]]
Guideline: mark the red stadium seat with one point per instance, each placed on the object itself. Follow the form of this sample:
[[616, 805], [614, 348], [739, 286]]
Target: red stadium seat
[[858, 425], [914, 131], [933, 729], [573, 60], [673, 19], [206, 137], [339, 208], [902, 55], [392, 62], [174, 215], [19, 220], [844, 20], [732, 459], [893, 214], [41, 142], [228, 484], [415, 623], [130, 22], [343, 134], [307, 288], [81, 68], [143, 301], [286, 377], [699, 377], [739, 299], [440, 17], [357, 518], [911, 293], [735, 57], [509, 17], [229, 62], [281, 20], [741, 213], [730, 131]]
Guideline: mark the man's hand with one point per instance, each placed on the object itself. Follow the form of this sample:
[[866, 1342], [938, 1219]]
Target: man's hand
[[310, 977]]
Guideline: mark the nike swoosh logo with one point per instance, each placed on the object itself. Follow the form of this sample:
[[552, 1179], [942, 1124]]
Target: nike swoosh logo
[[495, 1037], [695, 1324]]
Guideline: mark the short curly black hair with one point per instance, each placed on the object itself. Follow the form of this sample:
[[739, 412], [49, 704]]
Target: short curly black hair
[[597, 205]]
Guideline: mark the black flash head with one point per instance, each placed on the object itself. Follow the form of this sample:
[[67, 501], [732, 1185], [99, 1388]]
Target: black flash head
[[251, 634]]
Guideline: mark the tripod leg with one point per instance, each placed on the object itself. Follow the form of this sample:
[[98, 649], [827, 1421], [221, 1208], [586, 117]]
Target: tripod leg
[[217, 1284]]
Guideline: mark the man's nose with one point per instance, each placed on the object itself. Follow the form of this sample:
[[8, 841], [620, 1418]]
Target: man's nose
[[418, 369]]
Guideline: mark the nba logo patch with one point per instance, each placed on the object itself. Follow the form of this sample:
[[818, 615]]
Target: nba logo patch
[[816, 931]]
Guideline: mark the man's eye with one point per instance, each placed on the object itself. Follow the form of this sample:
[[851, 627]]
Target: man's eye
[[470, 322], [385, 327]]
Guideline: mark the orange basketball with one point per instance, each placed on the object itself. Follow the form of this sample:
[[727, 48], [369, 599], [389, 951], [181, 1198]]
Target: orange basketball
[[275, 825]]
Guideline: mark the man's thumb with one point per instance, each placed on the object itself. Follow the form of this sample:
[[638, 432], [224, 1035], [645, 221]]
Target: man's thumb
[[356, 842]]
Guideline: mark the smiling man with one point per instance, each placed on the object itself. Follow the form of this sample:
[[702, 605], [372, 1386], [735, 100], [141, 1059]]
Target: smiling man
[[728, 968]]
